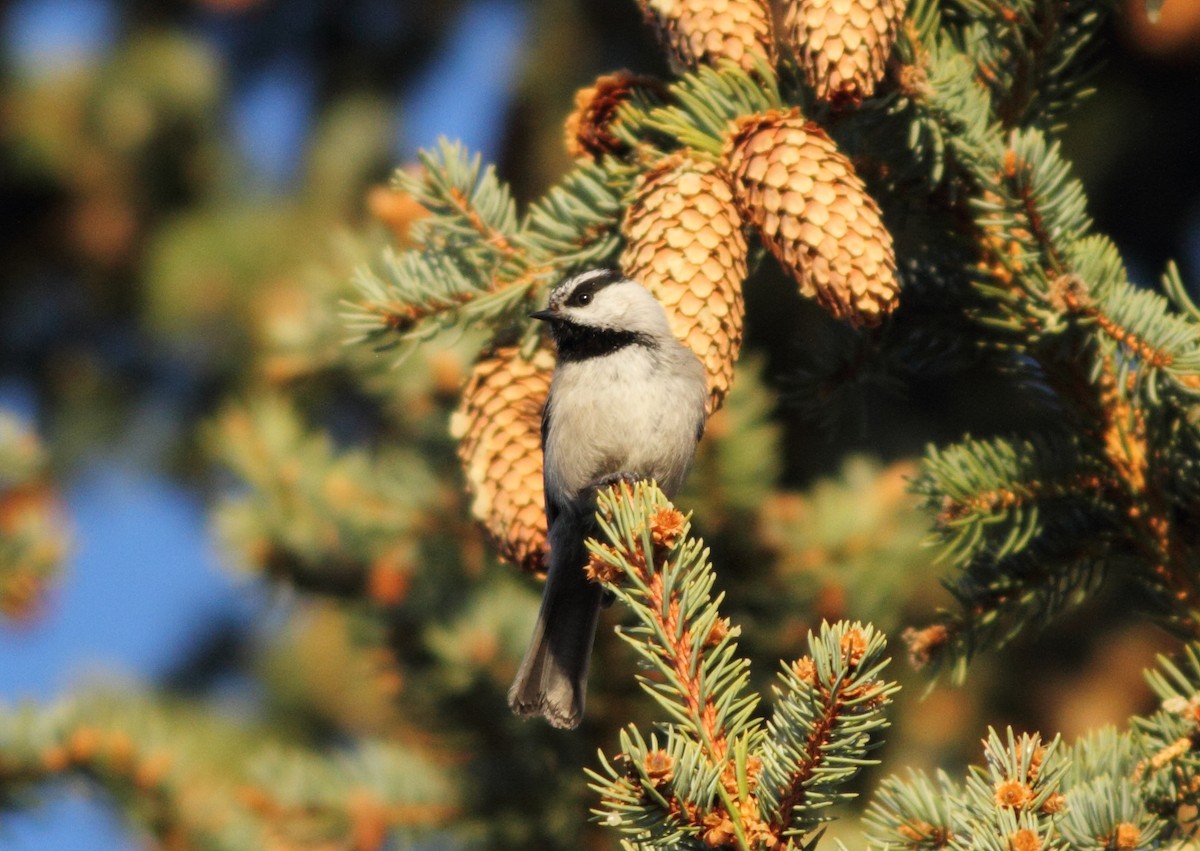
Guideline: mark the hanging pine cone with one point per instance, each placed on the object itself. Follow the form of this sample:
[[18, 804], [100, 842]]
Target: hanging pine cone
[[814, 214], [705, 31], [684, 242], [842, 46], [588, 131], [498, 424]]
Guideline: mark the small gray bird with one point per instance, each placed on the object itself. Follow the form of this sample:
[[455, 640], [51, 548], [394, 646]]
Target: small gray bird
[[627, 401]]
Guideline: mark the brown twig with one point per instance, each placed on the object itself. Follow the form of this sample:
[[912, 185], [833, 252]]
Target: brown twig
[[491, 235], [1107, 414], [683, 661], [1000, 499], [834, 699]]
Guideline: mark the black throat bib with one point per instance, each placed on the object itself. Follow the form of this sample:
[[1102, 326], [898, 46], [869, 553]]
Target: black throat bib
[[580, 342]]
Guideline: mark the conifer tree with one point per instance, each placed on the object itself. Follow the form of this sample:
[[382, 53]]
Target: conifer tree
[[899, 165]]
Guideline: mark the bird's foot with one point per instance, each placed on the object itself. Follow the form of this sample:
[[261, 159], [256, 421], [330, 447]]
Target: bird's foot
[[626, 479]]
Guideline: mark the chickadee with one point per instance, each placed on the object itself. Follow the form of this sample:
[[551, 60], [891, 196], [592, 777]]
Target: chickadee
[[627, 401]]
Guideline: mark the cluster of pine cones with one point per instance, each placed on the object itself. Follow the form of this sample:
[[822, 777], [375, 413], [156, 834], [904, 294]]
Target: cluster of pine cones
[[684, 229]]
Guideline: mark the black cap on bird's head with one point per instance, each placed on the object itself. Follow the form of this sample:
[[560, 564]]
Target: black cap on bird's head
[[601, 311], [604, 299], [577, 291]]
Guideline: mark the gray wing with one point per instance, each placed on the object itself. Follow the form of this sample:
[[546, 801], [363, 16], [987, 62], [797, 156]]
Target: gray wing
[[552, 506]]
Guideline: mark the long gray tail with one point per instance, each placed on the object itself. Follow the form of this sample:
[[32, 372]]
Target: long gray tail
[[552, 679]]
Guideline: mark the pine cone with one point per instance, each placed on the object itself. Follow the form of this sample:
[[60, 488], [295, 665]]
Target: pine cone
[[705, 31], [684, 242], [814, 214], [588, 129], [842, 46], [499, 424]]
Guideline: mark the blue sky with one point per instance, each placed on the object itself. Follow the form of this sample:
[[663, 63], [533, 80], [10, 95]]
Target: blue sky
[[145, 573]]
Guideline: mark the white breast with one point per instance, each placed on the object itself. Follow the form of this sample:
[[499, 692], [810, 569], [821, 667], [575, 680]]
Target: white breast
[[634, 412]]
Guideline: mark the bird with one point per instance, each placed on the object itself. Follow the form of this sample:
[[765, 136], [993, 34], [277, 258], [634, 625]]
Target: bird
[[627, 402]]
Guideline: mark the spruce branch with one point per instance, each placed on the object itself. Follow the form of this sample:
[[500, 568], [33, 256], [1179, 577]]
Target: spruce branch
[[473, 217], [1100, 387], [827, 714], [997, 600], [703, 103], [722, 776], [993, 497], [947, 115], [1177, 292], [576, 223], [1155, 343], [33, 537], [663, 576], [1106, 803], [1056, 295], [1050, 209], [1170, 739], [1034, 55], [476, 263], [1134, 789], [467, 261], [1012, 802], [1110, 810], [667, 582], [1020, 773], [337, 523], [468, 268], [409, 288], [191, 778], [918, 812], [1041, 260], [1027, 523]]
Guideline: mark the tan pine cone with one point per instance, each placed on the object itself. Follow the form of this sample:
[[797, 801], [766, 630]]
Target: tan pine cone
[[842, 46], [684, 242], [588, 130], [814, 214], [705, 31], [498, 424]]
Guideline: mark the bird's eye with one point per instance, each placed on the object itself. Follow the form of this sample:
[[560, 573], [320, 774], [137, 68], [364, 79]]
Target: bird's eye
[[584, 299]]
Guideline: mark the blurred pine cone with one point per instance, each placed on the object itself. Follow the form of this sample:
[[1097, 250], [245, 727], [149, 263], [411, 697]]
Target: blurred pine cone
[[814, 214], [842, 46], [684, 242], [499, 426], [705, 31], [588, 131]]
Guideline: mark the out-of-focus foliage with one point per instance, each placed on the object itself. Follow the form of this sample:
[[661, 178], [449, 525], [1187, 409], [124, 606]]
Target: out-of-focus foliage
[[152, 276], [33, 535]]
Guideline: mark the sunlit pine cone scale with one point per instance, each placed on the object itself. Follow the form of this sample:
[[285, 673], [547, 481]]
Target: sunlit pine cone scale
[[703, 32], [498, 424], [814, 214], [684, 242], [842, 46]]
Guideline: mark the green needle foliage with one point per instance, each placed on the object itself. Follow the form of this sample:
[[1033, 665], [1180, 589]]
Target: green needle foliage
[[379, 719], [1109, 790], [722, 774], [1004, 239]]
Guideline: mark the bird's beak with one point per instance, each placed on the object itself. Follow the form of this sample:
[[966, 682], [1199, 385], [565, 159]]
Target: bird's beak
[[544, 315]]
